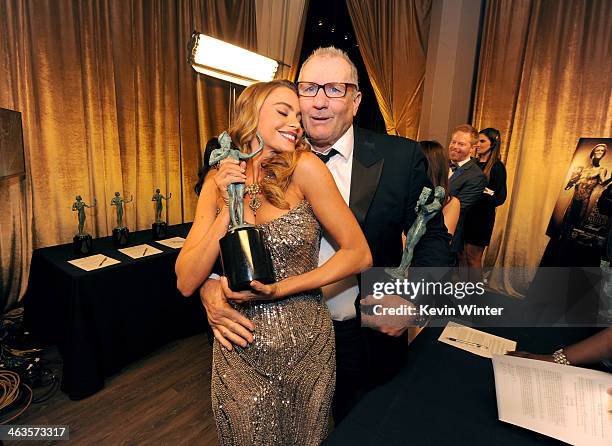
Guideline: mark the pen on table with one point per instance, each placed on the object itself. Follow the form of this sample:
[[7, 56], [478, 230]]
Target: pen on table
[[103, 260], [144, 252], [467, 342]]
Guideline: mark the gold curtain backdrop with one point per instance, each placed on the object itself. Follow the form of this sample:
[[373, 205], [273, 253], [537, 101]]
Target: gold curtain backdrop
[[392, 37], [544, 81], [280, 29], [108, 104]]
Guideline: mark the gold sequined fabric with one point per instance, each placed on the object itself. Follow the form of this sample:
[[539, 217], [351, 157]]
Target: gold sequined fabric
[[278, 390]]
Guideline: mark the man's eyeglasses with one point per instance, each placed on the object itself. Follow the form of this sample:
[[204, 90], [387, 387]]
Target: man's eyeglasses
[[331, 89]]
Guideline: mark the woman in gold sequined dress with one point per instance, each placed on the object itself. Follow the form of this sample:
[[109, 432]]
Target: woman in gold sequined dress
[[277, 390]]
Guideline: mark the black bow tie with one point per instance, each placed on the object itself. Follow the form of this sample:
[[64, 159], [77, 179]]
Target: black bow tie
[[327, 156], [453, 166]]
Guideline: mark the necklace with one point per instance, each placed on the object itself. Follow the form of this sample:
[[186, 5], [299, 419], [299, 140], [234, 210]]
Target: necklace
[[253, 190]]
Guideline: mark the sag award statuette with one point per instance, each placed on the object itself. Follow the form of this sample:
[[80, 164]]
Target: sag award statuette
[[82, 242], [243, 253], [120, 233], [159, 228], [424, 213]]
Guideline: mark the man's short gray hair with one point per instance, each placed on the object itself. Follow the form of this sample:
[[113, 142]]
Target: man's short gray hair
[[333, 52]]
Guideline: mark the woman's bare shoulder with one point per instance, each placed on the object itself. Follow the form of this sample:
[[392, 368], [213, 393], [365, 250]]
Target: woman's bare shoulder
[[311, 175], [454, 203], [309, 164]]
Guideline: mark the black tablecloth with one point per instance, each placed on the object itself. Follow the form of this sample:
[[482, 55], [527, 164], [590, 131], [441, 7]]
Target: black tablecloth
[[102, 320], [445, 396]]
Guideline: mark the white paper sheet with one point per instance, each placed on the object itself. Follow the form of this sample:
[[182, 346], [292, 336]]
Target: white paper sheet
[[139, 251], [174, 242], [475, 341], [564, 402], [96, 261]]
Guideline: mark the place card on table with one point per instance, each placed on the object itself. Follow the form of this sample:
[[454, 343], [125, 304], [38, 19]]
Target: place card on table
[[94, 262], [475, 341], [174, 242], [140, 251]]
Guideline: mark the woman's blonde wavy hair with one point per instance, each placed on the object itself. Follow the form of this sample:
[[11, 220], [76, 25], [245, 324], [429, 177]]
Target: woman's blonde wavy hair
[[279, 168]]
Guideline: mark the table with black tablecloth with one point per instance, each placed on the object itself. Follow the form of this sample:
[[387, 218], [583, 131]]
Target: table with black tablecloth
[[104, 319], [446, 396]]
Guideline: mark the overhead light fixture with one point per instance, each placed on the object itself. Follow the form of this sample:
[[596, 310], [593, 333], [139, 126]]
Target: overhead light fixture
[[216, 58]]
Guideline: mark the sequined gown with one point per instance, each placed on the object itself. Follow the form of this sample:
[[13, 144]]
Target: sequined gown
[[278, 390]]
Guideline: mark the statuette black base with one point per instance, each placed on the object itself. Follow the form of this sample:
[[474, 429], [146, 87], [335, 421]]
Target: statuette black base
[[82, 244], [160, 230], [245, 258], [121, 237]]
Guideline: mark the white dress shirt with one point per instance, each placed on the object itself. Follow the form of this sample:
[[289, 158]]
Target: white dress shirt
[[459, 164], [340, 296]]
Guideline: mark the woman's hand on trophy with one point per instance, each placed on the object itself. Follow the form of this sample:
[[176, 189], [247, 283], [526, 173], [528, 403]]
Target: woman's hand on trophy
[[236, 296], [265, 291], [258, 291], [230, 171]]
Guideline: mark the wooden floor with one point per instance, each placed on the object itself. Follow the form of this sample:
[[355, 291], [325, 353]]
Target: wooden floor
[[162, 399]]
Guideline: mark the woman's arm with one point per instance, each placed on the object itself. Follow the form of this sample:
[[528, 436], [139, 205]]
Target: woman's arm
[[201, 248], [497, 184], [451, 212], [596, 348], [353, 256], [593, 349]]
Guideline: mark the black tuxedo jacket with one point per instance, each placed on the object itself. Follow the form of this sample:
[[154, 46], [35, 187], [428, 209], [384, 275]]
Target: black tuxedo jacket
[[467, 183], [388, 175]]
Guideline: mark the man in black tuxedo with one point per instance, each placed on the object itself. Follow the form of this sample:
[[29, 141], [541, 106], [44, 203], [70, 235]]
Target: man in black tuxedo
[[466, 179], [380, 177]]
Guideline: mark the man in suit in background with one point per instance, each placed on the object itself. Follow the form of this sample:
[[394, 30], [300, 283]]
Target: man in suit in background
[[380, 177], [466, 180]]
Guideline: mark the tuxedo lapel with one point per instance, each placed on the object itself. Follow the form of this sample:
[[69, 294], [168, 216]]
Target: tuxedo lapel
[[456, 174], [365, 175], [461, 170]]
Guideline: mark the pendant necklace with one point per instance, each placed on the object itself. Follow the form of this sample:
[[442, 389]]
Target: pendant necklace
[[253, 190]]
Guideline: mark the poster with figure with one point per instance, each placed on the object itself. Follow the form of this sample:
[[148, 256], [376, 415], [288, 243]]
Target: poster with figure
[[576, 215]]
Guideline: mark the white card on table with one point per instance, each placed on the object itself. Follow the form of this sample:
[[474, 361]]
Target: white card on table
[[96, 261], [140, 251]]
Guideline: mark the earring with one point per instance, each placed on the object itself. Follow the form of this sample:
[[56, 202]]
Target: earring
[[260, 139]]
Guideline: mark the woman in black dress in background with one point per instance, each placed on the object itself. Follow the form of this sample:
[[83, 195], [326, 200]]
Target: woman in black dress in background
[[480, 219], [437, 171]]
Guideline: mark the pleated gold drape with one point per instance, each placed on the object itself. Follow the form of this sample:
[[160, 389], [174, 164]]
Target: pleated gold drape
[[109, 104], [545, 81], [392, 37], [280, 30]]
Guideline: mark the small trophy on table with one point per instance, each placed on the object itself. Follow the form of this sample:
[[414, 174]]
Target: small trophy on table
[[82, 242], [120, 233], [244, 255], [159, 228]]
